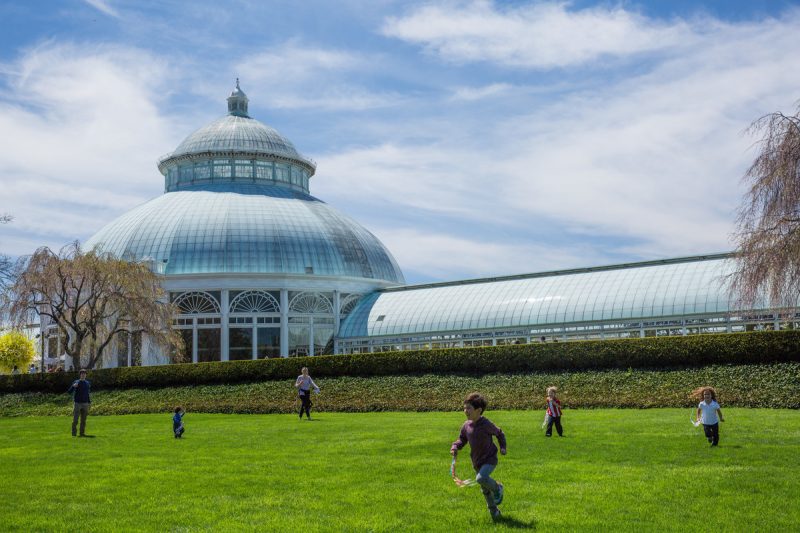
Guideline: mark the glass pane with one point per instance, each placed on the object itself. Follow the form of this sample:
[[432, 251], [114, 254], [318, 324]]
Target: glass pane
[[136, 349], [186, 335], [122, 348], [244, 171], [298, 340], [240, 344], [52, 347], [269, 343], [282, 172], [323, 339], [208, 345]]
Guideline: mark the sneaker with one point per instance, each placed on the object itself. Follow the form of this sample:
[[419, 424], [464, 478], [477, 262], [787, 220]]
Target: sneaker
[[496, 515], [498, 496]]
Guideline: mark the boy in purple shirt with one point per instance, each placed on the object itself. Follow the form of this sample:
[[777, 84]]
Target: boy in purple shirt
[[478, 432]]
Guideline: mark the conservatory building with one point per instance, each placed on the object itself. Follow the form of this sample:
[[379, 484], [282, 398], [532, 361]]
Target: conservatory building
[[256, 265], [681, 296], [258, 268]]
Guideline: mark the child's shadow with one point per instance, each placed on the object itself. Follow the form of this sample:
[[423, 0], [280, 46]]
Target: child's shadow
[[513, 523]]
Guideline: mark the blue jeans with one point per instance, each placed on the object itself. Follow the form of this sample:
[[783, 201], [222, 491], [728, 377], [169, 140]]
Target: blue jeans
[[488, 485]]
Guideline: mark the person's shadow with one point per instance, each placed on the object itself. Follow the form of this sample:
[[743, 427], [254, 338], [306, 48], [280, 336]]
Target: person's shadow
[[511, 522]]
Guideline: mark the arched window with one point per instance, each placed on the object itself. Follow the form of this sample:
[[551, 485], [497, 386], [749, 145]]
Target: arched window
[[190, 303], [311, 303], [255, 302], [349, 303]]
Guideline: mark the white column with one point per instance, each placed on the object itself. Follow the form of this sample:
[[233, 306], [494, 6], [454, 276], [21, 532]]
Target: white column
[[336, 320], [194, 340], [130, 347], [255, 338], [284, 323], [224, 334], [311, 336]]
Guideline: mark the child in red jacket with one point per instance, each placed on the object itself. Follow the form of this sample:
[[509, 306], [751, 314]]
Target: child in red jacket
[[553, 413]]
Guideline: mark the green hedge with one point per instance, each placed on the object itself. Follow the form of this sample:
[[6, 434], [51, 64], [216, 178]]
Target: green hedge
[[666, 352], [772, 386]]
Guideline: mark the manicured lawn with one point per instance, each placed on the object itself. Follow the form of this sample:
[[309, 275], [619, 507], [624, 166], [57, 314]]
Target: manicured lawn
[[631, 470]]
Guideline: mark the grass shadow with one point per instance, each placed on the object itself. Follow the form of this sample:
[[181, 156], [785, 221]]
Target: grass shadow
[[513, 523]]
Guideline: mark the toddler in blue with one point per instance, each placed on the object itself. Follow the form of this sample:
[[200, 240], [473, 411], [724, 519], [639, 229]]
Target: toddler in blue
[[177, 422]]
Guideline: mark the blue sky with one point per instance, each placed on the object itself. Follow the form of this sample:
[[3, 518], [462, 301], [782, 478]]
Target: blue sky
[[474, 138]]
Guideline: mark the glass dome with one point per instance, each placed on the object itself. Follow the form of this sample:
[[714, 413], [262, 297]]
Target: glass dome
[[237, 201], [236, 134], [235, 147], [247, 228]]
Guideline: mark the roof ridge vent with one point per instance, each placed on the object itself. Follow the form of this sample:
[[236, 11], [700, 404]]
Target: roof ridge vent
[[237, 102]]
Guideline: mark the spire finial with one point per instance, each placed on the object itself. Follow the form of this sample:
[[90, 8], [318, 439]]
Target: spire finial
[[237, 102]]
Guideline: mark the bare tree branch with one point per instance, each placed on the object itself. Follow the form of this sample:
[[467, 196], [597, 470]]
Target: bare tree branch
[[767, 233], [89, 296]]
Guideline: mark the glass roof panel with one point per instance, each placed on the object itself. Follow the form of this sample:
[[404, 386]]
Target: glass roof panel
[[682, 288]]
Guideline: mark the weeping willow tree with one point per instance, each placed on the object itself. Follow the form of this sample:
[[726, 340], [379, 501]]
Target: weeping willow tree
[[767, 233], [93, 298]]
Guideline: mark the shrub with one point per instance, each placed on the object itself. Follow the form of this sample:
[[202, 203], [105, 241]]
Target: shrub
[[763, 386], [667, 352], [15, 350]]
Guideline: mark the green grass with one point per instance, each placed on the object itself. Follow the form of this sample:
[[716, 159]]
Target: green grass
[[630, 470]]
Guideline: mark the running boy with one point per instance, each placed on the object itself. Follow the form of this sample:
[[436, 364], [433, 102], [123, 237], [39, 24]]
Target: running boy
[[478, 432]]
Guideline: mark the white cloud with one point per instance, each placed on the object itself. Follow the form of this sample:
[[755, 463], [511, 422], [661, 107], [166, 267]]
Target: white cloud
[[445, 256], [103, 6], [430, 177], [651, 164], [658, 157], [537, 35], [311, 78], [479, 93], [81, 133]]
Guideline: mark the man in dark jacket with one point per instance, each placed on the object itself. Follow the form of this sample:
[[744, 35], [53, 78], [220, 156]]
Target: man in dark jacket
[[80, 393]]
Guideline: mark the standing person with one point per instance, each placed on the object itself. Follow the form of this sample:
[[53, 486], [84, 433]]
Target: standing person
[[177, 422], [303, 385], [553, 413], [15, 371], [709, 413], [80, 394], [478, 432], [32, 369]]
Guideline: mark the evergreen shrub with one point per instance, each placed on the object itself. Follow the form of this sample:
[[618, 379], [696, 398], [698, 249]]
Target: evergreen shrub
[[648, 353]]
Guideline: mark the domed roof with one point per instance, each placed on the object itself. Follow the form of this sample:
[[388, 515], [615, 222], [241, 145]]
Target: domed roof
[[235, 133], [247, 228], [231, 134]]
